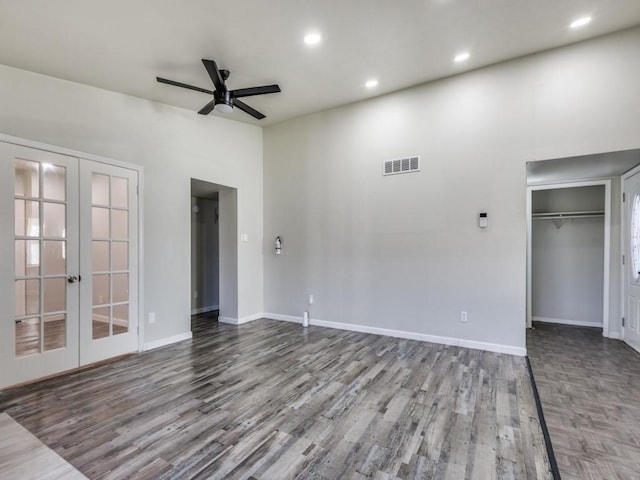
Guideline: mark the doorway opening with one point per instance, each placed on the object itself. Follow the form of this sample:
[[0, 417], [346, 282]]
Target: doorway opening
[[574, 239], [214, 253], [204, 255], [569, 252]]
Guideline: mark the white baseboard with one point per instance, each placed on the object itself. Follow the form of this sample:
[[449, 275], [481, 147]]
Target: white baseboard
[[229, 320], [240, 321], [212, 308], [634, 346], [250, 318], [166, 341], [283, 318], [563, 321], [456, 342], [615, 335]]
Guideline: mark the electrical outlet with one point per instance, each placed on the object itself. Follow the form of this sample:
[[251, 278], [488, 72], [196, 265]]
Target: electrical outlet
[[195, 294], [310, 299], [152, 317], [463, 316]]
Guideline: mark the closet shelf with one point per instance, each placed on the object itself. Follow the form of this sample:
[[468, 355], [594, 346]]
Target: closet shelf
[[567, 215]]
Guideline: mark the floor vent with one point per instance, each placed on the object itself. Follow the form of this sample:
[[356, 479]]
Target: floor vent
[[401, 165]]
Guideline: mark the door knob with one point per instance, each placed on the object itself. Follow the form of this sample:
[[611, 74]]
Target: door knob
[[72, 279]]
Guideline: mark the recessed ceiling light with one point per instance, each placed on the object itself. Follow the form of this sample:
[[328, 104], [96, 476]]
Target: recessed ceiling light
[[581, 22], [312, 38], [461, 57], [371, 83]]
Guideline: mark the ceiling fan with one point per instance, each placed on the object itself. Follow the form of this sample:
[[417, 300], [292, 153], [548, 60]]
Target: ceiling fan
[[224, 99]]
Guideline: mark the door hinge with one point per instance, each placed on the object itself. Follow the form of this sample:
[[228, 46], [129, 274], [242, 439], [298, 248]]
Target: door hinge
[[623, 321], [623, 259], [624, 197], [137, 189]]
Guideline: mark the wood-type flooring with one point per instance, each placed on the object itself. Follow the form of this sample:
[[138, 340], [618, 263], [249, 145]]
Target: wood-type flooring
[[23, 456], [589, 387], [271, 400]]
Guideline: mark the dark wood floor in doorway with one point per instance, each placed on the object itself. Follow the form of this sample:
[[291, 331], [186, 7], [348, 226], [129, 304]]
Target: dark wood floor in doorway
[[270, 400], [589, 387]]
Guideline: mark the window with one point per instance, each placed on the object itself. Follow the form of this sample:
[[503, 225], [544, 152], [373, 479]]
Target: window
[[635, 237]]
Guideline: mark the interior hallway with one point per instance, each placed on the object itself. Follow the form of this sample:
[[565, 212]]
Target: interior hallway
[[589, 387]]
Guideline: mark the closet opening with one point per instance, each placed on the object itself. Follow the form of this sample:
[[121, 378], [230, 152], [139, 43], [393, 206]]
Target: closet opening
[[569, 238]]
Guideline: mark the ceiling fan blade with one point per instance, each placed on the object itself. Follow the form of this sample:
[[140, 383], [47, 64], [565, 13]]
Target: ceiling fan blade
[[206, 110], [247, 109], [249, 92], [214, 73], [183, 85]]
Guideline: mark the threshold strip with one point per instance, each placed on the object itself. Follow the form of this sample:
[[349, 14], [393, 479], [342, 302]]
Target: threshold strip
[[543, 424]]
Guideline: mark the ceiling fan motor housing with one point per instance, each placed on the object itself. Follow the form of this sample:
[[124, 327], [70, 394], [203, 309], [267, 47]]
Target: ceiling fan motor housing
[[224, 99], [224, 104]]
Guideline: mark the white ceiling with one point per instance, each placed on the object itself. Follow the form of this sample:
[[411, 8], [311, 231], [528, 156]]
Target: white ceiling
[[584, 167], [122, 45], [202, 189]]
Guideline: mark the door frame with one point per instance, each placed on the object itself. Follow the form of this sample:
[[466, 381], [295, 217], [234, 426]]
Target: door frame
[[24, 142], [623, 236], [607, 243]]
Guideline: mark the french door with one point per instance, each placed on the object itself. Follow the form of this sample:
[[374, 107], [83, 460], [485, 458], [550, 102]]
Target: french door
[[68, 276], [108, 260]]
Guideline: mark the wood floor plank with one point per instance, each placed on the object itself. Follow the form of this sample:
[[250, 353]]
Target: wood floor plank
[[589, 387], [270, 400]]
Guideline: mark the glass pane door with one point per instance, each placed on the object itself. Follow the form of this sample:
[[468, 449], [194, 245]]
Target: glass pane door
[[109, 259], [69, 278], [40, 257], [39, 332], [110, 255]]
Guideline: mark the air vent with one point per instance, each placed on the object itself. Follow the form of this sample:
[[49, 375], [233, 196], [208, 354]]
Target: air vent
[[401, 165]]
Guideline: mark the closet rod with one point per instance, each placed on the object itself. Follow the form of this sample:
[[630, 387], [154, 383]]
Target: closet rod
[[567, 215]]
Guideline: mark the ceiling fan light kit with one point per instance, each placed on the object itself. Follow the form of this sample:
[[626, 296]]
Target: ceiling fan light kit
[[224, 100], [223, 107]]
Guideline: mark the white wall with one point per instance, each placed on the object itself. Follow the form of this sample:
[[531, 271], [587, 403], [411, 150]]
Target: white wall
[[567, 257], [173, 145], [404, 252], [229, 256]]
